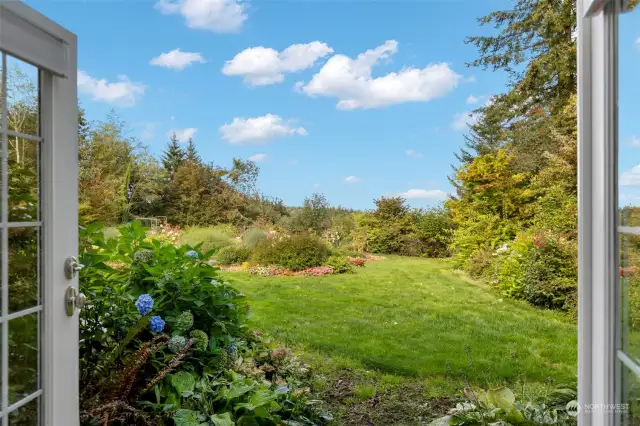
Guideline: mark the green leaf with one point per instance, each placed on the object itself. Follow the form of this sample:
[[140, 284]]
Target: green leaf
[[186, 418], [248, 421], [183, 381], [261, 397], [223, 419], [239, 389]]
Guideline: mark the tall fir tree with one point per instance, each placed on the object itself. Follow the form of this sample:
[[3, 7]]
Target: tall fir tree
[[192, 155], [173, 156]]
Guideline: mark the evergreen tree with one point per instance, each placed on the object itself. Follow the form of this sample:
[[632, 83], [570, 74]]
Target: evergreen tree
[[173, 156], [192, 153]]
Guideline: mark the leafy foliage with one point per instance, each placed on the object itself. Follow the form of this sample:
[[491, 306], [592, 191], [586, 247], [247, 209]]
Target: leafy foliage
[[134, 375], [296, 253], [515, 211], [339, 264], [499, 407], [233, 255], [395, 228]]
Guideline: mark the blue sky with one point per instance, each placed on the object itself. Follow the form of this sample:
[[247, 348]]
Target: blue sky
[[318, 119]]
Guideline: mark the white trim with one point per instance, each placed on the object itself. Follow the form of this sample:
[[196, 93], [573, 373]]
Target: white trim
[[23, 401], [23, 135], [598, 278], [629, 230], [31, 37], [60, 213], [20, 314], [5, 249], [629, 363]]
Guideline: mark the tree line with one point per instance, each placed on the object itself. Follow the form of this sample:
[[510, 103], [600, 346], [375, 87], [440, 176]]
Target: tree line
[[119, 180]]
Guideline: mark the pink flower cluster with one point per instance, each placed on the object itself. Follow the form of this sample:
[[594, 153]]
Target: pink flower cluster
[[318, 271], [272, 271]]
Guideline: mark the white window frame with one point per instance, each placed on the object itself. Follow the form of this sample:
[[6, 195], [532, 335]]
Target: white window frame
[[600, 360], [33, 38]]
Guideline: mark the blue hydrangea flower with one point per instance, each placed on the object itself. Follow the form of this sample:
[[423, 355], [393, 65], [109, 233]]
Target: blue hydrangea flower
[[156, 324], [144, 304], [232, 351], [192, 254]]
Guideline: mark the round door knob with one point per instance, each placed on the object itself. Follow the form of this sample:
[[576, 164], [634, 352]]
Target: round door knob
[[80, 300]]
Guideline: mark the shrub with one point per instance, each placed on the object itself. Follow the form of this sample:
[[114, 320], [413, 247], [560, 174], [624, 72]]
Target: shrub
[[509, 265], [550, 278], [166, 233], [233, 255], [434, 228], [252, 237], [296, 253], [480, 263], [339, 264], [161, 336], [213, 238], [357, 261]]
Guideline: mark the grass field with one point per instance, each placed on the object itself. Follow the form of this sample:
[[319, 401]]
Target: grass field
[[411, 325]]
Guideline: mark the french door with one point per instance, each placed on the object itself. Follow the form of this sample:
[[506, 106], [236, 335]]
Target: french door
[[609, 234], [38, 225]]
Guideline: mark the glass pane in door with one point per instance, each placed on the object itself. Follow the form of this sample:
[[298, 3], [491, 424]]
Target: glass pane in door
[[20, 237], [629, 211]]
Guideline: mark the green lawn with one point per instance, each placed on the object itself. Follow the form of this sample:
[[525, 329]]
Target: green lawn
[[412, 319]]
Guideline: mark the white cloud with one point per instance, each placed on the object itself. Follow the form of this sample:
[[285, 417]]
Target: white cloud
[[352, 179], [177, 59], [424, 194], [635, 141], [316, 185], [256, 158], [631, 177], [351, 81], [183, 135], [258, 129], [638, 41], [123, 93], [261, 66], [414, 154], [472, 100], [463, 120], [222, 16]]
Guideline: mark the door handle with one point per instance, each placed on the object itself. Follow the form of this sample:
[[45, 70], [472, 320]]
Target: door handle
[[72, 267], [73, 300]]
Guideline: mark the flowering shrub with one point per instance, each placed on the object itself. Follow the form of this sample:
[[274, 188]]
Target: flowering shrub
[[339, 264], [318, 271], [166, 233], [357, 261], [540, 268], [132, 373], [273, 270]]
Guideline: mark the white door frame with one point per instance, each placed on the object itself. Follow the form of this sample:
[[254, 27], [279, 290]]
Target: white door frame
[[31, 37], [600, 356]]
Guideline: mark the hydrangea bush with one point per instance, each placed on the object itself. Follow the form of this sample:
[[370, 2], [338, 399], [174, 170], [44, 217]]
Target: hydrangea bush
[[164, 341]]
